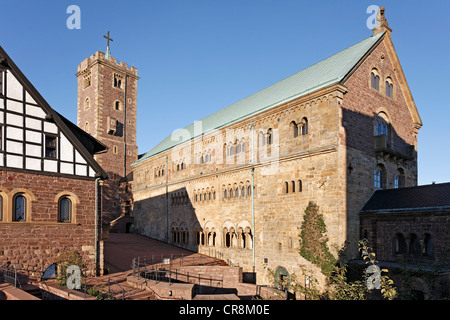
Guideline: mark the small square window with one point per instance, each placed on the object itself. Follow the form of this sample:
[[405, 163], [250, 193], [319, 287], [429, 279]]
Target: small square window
[[50, 147]]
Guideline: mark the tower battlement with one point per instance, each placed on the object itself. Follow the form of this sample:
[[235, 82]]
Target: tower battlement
[[99, 57]]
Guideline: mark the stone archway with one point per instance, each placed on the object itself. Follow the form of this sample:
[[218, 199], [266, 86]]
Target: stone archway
[[281, 278]]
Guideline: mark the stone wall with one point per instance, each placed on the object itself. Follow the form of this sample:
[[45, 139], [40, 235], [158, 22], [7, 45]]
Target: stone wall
[[418, 238], [37, 242]]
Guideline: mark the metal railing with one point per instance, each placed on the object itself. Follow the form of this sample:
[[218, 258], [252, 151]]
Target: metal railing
[[164, 269], [10, 275], [112, 282]]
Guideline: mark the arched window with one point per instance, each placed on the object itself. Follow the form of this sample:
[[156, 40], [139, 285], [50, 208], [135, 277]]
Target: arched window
[[117, 105], [249, 190], [231, 150], [375, 80], [87, 104], [304, 127], [399, 244], [389, 88], [269, 136], [20, 208], [300, 186], [399, 179], [381, 127], [414, 245], [294, 129], [427, 245], [293, 186], [65, 210], [286, 187], [379, 177]]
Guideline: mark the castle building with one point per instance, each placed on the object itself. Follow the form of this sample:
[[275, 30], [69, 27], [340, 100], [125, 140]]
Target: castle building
[[235, 185], [48, 180], [107, 102]]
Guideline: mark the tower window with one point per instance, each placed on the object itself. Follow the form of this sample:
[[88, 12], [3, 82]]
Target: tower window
[[87, 104], [115, 150], [117, 81], [117, 105], [87, 82]]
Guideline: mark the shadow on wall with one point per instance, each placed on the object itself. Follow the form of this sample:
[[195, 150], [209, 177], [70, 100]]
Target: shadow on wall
[[377, 158], [170, 218]]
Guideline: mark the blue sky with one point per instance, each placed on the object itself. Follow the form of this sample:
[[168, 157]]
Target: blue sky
[[198, 56]]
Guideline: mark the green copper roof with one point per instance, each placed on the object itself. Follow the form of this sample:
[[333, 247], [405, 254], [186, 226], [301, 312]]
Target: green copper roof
[[327, 72]]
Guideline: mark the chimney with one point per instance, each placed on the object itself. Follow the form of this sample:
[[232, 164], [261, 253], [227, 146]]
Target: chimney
[[382, 24]]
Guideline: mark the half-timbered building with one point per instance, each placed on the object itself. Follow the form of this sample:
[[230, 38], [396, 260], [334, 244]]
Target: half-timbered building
[[48, 179]]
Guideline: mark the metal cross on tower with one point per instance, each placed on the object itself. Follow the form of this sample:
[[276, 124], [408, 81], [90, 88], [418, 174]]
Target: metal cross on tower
[[108, 51]]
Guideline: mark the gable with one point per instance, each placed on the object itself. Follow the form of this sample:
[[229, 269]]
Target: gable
[[397, 72], [34, 137]]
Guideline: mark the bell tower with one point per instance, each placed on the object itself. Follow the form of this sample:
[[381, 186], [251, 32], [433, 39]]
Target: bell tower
[[106, 109]]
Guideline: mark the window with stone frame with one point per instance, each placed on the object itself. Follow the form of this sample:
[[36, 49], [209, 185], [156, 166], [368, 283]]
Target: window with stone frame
[[427, 245], [1, 208], [117, 81], [304, 127], [399, 179], [379, 176], [65, 210], [19, 207], [294, 129], [389, 88], [375, 80], [87, 104], [87, 82]]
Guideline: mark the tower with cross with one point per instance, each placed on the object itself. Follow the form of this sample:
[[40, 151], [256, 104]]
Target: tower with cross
[[106, 109]]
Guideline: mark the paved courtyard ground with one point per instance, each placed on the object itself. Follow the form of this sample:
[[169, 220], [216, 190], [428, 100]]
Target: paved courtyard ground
[[121, 248], [119, 251]]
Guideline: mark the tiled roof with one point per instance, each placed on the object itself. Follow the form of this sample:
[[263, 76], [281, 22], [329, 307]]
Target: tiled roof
[[322, 74], [420, 198]]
